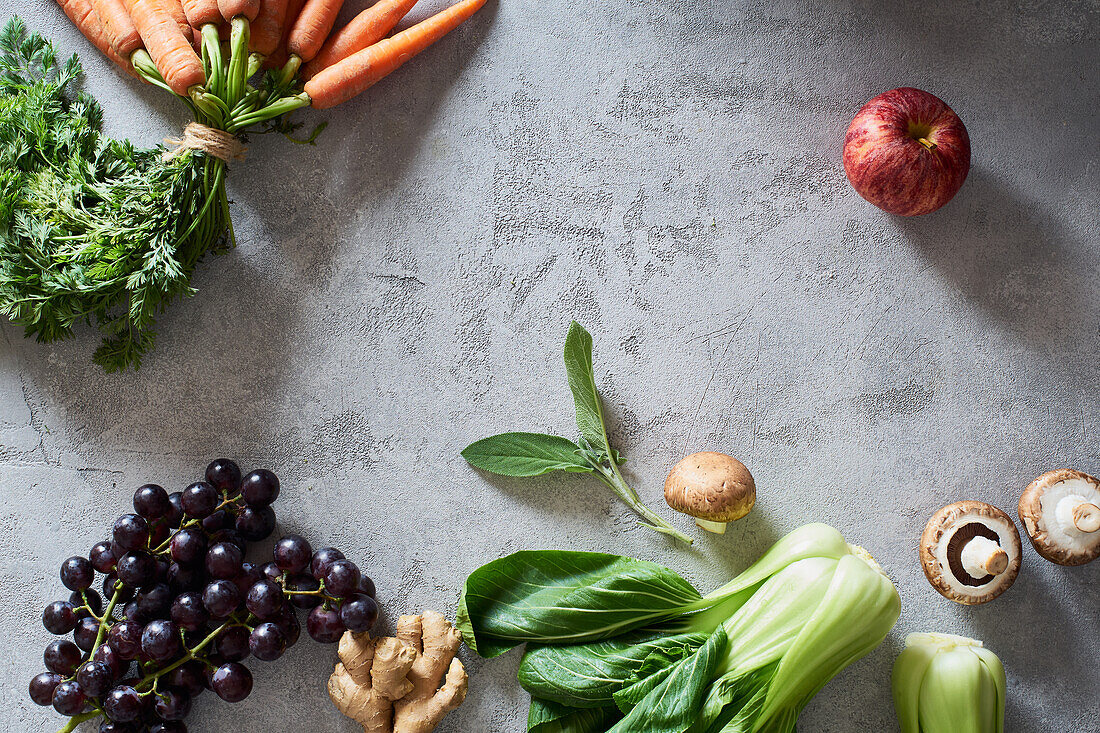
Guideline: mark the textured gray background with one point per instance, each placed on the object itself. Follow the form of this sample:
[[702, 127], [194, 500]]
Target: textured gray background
[[669, 174]]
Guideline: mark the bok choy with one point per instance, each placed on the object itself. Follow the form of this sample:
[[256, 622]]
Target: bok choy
[[621, 645], [948, 684]]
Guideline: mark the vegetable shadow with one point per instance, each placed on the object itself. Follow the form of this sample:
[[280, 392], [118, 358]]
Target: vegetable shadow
[[1037, 636], [575, 496], [225, 360]]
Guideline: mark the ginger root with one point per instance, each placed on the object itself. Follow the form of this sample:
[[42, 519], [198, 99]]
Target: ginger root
[[392, 685]]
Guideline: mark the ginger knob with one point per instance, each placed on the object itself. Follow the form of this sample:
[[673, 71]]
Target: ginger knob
[[406, 684]]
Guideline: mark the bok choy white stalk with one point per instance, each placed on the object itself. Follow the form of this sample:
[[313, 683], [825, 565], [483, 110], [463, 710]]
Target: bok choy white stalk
[[617, 644], [948, 684]]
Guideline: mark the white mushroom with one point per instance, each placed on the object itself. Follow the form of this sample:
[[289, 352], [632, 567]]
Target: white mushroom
[[1060, 512], [712, 487], [970, 552]]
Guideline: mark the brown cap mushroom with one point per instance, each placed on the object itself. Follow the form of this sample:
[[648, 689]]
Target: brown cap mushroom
[[970, 552], [712, 487], [1060, 512]]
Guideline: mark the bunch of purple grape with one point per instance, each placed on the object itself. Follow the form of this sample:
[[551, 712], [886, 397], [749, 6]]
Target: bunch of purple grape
[[184, 608]]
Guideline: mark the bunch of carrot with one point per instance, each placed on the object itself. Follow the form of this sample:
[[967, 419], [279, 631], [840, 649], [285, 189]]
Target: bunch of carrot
[[178, 44], [116, 254]]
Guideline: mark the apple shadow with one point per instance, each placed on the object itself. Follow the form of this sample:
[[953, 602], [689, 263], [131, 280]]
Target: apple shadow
[[1012, 257]]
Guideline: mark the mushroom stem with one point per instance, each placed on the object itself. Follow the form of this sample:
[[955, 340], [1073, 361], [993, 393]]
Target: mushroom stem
[[1086, 517], [982, 556], [715, 527], [1077, 513]]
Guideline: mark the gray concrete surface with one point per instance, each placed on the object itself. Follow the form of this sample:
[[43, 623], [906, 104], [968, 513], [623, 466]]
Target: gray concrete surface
[[668, 174]]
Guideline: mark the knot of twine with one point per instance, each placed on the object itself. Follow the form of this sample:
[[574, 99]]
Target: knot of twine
[[214, 142]]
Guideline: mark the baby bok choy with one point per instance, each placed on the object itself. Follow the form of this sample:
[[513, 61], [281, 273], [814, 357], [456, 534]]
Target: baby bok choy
[[948, 684], [621, 645]]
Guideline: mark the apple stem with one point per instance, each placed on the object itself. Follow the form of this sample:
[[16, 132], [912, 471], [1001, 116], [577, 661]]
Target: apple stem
[[927, 143]]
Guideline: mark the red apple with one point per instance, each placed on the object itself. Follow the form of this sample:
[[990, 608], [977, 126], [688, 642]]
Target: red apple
[[907, 152]]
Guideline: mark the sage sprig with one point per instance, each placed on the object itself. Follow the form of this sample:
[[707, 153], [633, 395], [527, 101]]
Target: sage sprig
[[534, 454]]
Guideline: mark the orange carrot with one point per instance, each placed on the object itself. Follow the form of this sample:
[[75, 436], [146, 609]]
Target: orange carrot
[[345, 79], [82, 15], [266, 32], [176, 60], [312, 27], [175, 9], [116, 24], [201, 12], [231, 9], [280, 56], [365, 29]]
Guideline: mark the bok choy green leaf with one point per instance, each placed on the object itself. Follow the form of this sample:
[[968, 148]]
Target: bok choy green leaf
[[610, 636]]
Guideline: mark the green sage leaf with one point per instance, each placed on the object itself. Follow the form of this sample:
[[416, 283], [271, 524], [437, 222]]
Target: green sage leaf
[[525, 454], [582, 383]]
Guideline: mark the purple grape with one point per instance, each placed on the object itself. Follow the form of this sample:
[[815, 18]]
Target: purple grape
[[322, 561], [172, 704], [293, 553], [288, 623], [256, 523], [267, 642], [95, 678], [160, 640], [231, 682], [154, 600], [264, 599], [223, 561], [69, 698], [136, 569], [86, 632], [324, 625], [260, 488], [106, 654], [188, 612], [224, 475], [221, 519], [88, 598], [182, 578], [112, 584], [77, 573], [125, 638], [151, 501], [158, 533], [103, 560], [199, 500], [221, 598], [358, 613], [62, 656], [366, 586], [59, 618], [342, 578], [232, 644], [169, 726], [175, 516], [132, 612], [110, 726], [188, 545], [123, 704], [42, 687], [131, 532], [302, 582], [190, 676], [270, 571], [231, 536]]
